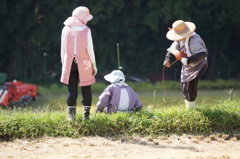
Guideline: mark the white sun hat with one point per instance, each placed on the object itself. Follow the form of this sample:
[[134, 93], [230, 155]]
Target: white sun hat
[[180, 30], [115, 76]]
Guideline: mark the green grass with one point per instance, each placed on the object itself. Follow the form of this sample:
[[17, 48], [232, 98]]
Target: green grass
[[223, 117], [218, 111]]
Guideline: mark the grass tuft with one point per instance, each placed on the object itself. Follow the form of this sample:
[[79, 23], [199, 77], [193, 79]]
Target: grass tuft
[[32, 123], [159, 118]]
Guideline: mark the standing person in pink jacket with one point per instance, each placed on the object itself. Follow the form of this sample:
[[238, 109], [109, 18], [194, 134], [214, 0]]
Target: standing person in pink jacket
[[78, 60]]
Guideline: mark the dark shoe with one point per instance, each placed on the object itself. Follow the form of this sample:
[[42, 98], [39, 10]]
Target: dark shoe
[[71, 113], [86, 112], [71, 117], [86, 117]]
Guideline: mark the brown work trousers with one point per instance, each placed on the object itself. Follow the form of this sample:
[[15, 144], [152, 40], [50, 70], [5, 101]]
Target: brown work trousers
[[189, 89]]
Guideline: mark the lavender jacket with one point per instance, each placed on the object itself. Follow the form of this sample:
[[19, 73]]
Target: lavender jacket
[[110, 99], [194, 47]]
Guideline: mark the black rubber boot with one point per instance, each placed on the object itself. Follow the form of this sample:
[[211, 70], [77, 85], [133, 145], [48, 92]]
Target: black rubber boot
[[71, 113], [86, 112]]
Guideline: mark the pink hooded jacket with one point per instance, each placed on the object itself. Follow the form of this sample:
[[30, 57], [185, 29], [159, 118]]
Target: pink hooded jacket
[[76, 42]]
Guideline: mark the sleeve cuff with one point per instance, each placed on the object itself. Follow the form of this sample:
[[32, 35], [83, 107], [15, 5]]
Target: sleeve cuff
[[184, 60]]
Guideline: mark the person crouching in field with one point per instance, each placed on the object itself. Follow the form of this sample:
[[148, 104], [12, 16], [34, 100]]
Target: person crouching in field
[[118, 96], [192, 52]]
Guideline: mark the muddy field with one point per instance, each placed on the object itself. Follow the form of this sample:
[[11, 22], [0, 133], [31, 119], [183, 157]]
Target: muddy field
[[173, 147]]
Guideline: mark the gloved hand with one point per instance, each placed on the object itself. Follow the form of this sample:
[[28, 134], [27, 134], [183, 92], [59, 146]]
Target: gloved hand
[[94, 69], [180, 55], [169, 59], [167, 64]]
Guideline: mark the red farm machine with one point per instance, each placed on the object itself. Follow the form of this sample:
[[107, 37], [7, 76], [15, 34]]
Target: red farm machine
[[17, 93]]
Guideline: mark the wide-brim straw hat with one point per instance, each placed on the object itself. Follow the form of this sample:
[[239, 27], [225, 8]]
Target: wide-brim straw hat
[[80, 16], [180, 30], [115, 76]]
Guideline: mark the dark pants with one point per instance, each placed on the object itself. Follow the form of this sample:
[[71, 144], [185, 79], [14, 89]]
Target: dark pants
[[73, 89], [189, 89]]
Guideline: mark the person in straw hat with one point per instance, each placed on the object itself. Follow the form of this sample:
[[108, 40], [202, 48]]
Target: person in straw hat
[[118, 96], [78, 60], [192, 52]]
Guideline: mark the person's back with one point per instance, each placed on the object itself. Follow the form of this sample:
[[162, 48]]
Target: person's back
[[78, 60], [118, 96]]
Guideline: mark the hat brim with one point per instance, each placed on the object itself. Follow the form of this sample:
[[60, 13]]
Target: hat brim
[[111, 78], [172, 35], [89, 17]]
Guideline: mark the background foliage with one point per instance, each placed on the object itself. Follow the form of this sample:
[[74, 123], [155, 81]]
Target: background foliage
[[31, 30]]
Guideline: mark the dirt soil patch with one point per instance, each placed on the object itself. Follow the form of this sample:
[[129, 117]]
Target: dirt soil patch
[[173, 147]]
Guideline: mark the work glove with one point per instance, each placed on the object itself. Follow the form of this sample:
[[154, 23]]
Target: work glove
[[94, 69], [179, 55]]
